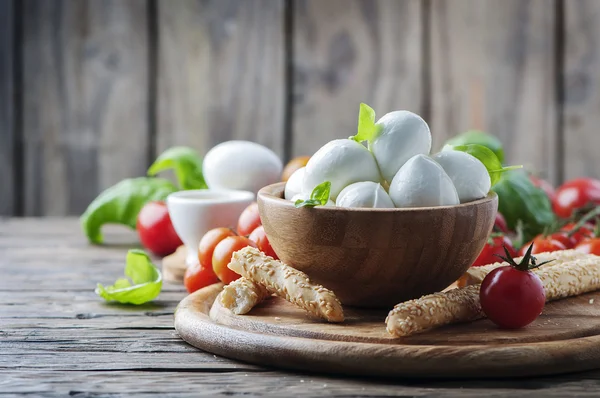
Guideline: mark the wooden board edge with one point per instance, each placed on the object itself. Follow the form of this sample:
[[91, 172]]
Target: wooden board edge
[[296, 353]]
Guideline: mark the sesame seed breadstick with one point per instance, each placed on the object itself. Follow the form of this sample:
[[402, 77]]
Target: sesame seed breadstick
[[475, 275], [566, 279], [434, 310], [241, 295], [287, 282]]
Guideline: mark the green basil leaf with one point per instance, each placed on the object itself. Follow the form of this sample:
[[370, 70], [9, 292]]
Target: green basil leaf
[[487, 157], [185, 162], [479, 138], [367, 129], [143, 285], [521, 202], [121, 203], [318, 197]]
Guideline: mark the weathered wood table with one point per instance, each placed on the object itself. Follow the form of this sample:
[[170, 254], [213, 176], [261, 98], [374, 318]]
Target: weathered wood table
[[57, 338]]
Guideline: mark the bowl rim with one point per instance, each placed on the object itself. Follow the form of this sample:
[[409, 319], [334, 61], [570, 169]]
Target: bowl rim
[[264, 194]]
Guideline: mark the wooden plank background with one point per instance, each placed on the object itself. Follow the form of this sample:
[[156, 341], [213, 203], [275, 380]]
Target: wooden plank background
[[92, 90]]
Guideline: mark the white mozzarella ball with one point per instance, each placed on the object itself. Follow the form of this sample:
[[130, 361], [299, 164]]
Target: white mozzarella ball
[[422, 182], [469, 176], [306, 196], [341, 162], [404, 134], [293, 186], [364, 194], [241, 165]]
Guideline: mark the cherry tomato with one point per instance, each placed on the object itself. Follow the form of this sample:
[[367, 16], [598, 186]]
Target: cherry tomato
[[543, 244], [222, 256], [544, 186], [576, 194], [156, 230], [563, 238], [198, 276], [293, 165], [209, 242], [589, 246], [512, 298], [500, 224], [249, 220], [586, 231], [260, 237], [494, 246]]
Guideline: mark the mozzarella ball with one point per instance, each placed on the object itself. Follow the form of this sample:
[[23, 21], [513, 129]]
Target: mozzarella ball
[[293, 186], [241, 165], [306, 196], [341, 162], [422, 182], [364, 194], [469, 176], [403, 135]]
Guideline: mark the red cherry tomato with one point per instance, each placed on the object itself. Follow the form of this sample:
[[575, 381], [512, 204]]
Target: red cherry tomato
[[249, 220], [222, 256], [544, 186], [155, 229], [494, 246], [512, 298], [563, 238], [209, 242], [543, 244], [198, 276], [500, 224], [586, 231], [260, 237], [576, 194], [589, 246]]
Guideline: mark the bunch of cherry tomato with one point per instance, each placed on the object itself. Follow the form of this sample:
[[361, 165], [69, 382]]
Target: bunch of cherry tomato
[[571, 199]]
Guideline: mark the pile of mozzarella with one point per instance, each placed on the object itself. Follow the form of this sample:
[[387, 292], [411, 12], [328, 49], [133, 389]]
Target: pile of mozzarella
[[398, 158]]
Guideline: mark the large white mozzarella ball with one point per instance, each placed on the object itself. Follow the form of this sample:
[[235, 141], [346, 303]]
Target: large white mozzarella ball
[[306, 196], [364, 194], [469, 176], [341, 162], [241, 165], [422, 182], [404, 134], [293, 186]]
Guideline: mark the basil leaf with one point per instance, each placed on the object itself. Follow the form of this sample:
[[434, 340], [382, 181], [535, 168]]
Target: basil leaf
[[318, 197], [185, 162], [479, 138], [145, 283], [487, 157], [367, 129], [521, 202], [121, 203]]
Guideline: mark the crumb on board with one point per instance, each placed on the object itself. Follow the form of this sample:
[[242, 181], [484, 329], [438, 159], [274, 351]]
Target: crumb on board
[[591, 301]]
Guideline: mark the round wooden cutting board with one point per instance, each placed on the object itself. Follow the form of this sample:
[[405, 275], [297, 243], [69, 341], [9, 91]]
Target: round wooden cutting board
[[565, 338]]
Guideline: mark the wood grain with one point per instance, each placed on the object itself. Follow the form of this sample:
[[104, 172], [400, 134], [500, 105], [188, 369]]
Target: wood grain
[[85, 100], [57, 338], [581, 80], [348, 52], [565, 338], [493, 69], [7, 108], [377, 257], [221, 73]]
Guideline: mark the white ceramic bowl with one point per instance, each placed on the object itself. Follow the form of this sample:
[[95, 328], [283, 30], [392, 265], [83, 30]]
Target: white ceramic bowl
[[195, 212]]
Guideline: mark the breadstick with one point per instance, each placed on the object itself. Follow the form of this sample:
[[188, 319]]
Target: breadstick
[[475, 275], [565, 279], [287, 282], [242, 295]]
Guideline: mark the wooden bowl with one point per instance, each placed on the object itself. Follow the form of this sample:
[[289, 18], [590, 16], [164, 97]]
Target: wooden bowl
[[377, 257]]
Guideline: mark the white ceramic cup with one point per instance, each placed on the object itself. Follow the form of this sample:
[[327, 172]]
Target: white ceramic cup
[[195, 212]]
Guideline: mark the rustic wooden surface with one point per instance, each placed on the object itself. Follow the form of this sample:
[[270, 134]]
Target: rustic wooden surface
[[565, 338], [58, 338], [85, 100], [7, 113]]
